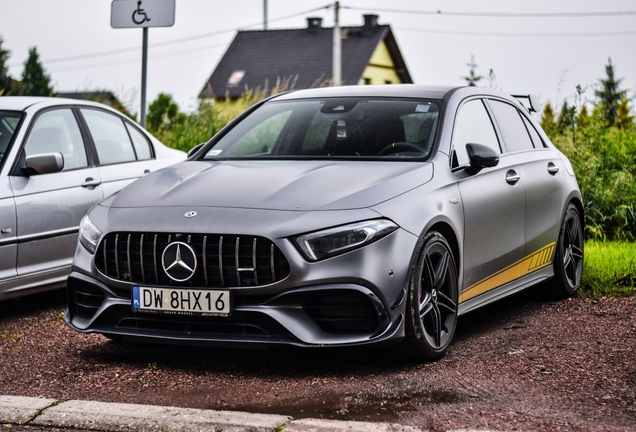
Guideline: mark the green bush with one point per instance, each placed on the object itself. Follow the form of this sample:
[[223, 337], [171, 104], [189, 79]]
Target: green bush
[[610, 269], [604, 159]]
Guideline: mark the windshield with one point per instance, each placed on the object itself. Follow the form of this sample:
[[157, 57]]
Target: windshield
[[8, 125], [333, 128]]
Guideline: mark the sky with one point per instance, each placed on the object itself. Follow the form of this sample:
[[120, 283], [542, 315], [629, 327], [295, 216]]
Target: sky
[[544, 47]]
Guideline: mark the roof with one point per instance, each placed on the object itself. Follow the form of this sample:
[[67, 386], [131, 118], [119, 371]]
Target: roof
[[382, 91], [97, 96], [21, 103], [299, 58]]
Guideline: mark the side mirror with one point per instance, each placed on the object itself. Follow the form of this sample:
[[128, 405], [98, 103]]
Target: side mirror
[[44, 163], [195, 149], [481, 156]]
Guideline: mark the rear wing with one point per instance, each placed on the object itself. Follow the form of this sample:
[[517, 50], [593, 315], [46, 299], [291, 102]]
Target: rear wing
[[530, 102]]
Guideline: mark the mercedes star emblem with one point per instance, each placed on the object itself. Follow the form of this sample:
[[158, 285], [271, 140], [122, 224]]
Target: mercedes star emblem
[[190, 214], [179, 261]]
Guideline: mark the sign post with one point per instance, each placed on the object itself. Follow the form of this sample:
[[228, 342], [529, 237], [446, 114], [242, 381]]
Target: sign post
[[144, 14]]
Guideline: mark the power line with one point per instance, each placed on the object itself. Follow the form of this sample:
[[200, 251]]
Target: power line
[[541, 35], [136, 60], [172, 42], [500, 14]]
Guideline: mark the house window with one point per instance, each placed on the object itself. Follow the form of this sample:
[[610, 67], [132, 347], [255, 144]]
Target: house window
[[235, 78], [367, 81], [387, 82]]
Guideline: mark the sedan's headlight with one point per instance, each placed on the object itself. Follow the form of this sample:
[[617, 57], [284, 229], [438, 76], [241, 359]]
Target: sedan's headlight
[[89, 235], [333, 241]]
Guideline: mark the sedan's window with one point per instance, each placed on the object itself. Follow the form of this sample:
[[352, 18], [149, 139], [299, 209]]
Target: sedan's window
[[57, 131], [473, 126], [514, 132], [8, 124], [140, 143], [110, 137], [333, 128], [534, 135]]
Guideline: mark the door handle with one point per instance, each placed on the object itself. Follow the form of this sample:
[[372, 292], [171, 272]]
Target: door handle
[[512, 177], [552, 168], [90, 181], [146, 171]]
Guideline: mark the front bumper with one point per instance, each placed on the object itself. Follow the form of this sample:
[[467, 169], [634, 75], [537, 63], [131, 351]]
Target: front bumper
[[353, 299]]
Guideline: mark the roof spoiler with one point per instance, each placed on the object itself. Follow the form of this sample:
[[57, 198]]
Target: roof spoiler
[[533, 102]]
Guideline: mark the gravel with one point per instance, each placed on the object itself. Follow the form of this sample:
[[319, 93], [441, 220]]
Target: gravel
[[523, 364]]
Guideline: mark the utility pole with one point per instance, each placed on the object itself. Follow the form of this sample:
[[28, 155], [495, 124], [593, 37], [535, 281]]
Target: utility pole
[[144, 74], [337, 49], [264, 14]]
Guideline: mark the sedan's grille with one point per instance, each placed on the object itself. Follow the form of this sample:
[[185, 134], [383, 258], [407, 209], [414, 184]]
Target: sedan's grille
[[222, 260]]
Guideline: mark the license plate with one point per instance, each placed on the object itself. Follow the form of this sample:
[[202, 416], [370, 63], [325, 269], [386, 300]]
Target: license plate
[[181, 301]]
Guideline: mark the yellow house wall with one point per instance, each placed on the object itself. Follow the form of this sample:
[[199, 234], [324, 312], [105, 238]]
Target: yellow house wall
[[380, 69]]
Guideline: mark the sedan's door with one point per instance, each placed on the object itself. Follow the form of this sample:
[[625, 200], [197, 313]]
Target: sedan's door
[[124, 153], [8, 243], [493, 205], [541, 174], [49, 207]]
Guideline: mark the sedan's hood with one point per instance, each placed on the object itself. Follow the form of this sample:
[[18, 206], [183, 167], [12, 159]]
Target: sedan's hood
[[274, 185]]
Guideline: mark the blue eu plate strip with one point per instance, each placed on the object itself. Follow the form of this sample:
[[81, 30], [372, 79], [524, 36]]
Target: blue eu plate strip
[[135, 297]]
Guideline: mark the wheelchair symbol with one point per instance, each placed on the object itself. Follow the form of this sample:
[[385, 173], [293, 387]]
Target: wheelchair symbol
[[139, 16]]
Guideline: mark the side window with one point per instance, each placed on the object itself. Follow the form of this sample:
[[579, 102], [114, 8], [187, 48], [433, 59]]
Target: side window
[[110, 136], [473, 126], [534, 135], [514, 132], [57, 131], [139, 142]]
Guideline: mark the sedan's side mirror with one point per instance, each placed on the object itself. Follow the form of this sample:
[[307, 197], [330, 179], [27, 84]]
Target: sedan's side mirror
[[195, 149], [44, 163], [481, 156]]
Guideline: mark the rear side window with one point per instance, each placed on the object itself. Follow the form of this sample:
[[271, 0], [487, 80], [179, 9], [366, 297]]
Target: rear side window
[[473, 126], [514, 132], [142, 148], [534, 135], [110, 136]]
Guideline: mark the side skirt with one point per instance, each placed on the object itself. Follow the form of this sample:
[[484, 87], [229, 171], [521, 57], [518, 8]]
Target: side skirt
[[508, 289]]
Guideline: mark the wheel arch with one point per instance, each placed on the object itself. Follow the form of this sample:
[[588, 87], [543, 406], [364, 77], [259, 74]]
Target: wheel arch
[[449, 234]]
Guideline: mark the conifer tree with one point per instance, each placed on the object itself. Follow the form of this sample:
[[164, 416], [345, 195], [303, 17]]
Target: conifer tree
[[472, 79], [8, 85], [35, 82], [583, 119], [547, 118], [610, 94], [566, 117], [623, 118]]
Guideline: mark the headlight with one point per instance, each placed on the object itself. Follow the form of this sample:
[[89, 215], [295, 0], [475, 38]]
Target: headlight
[[89, 235], [333, 241]]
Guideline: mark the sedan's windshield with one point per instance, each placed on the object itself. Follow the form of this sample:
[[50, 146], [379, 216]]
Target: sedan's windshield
[[8, 124], [333, 128]]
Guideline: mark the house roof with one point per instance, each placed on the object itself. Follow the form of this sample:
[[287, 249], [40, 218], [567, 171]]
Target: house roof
[[299, 58]]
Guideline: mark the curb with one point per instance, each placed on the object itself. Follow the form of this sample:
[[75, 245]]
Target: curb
[[118, 417]]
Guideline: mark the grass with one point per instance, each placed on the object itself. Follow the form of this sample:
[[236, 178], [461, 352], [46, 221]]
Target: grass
[[610, 269]]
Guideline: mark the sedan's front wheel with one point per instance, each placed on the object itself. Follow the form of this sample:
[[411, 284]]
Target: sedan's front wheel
[[431, 309]]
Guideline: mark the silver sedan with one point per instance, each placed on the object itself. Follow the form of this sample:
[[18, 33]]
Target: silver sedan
[[58, 157]]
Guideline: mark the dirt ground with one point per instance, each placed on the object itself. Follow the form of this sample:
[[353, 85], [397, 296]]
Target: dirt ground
[[523, 364]]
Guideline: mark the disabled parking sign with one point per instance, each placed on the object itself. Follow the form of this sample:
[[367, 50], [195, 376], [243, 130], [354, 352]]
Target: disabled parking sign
[[142, 13]]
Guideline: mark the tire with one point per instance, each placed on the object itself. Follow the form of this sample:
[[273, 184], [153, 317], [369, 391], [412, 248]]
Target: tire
[[431, 306], [568, 258]]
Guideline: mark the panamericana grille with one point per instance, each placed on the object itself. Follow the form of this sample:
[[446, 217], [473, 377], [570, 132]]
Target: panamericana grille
[[223, 260]]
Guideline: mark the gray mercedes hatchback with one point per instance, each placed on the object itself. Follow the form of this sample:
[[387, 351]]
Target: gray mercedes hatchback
[[335, 217]]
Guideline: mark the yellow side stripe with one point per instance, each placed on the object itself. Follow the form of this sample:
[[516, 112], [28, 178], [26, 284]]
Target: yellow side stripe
[[534, 261]]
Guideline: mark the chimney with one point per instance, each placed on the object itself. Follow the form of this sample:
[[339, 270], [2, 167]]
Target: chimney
[[370, 22], [314, 23]]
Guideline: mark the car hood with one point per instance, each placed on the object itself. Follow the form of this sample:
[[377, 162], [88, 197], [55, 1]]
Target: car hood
[[274, 185]]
